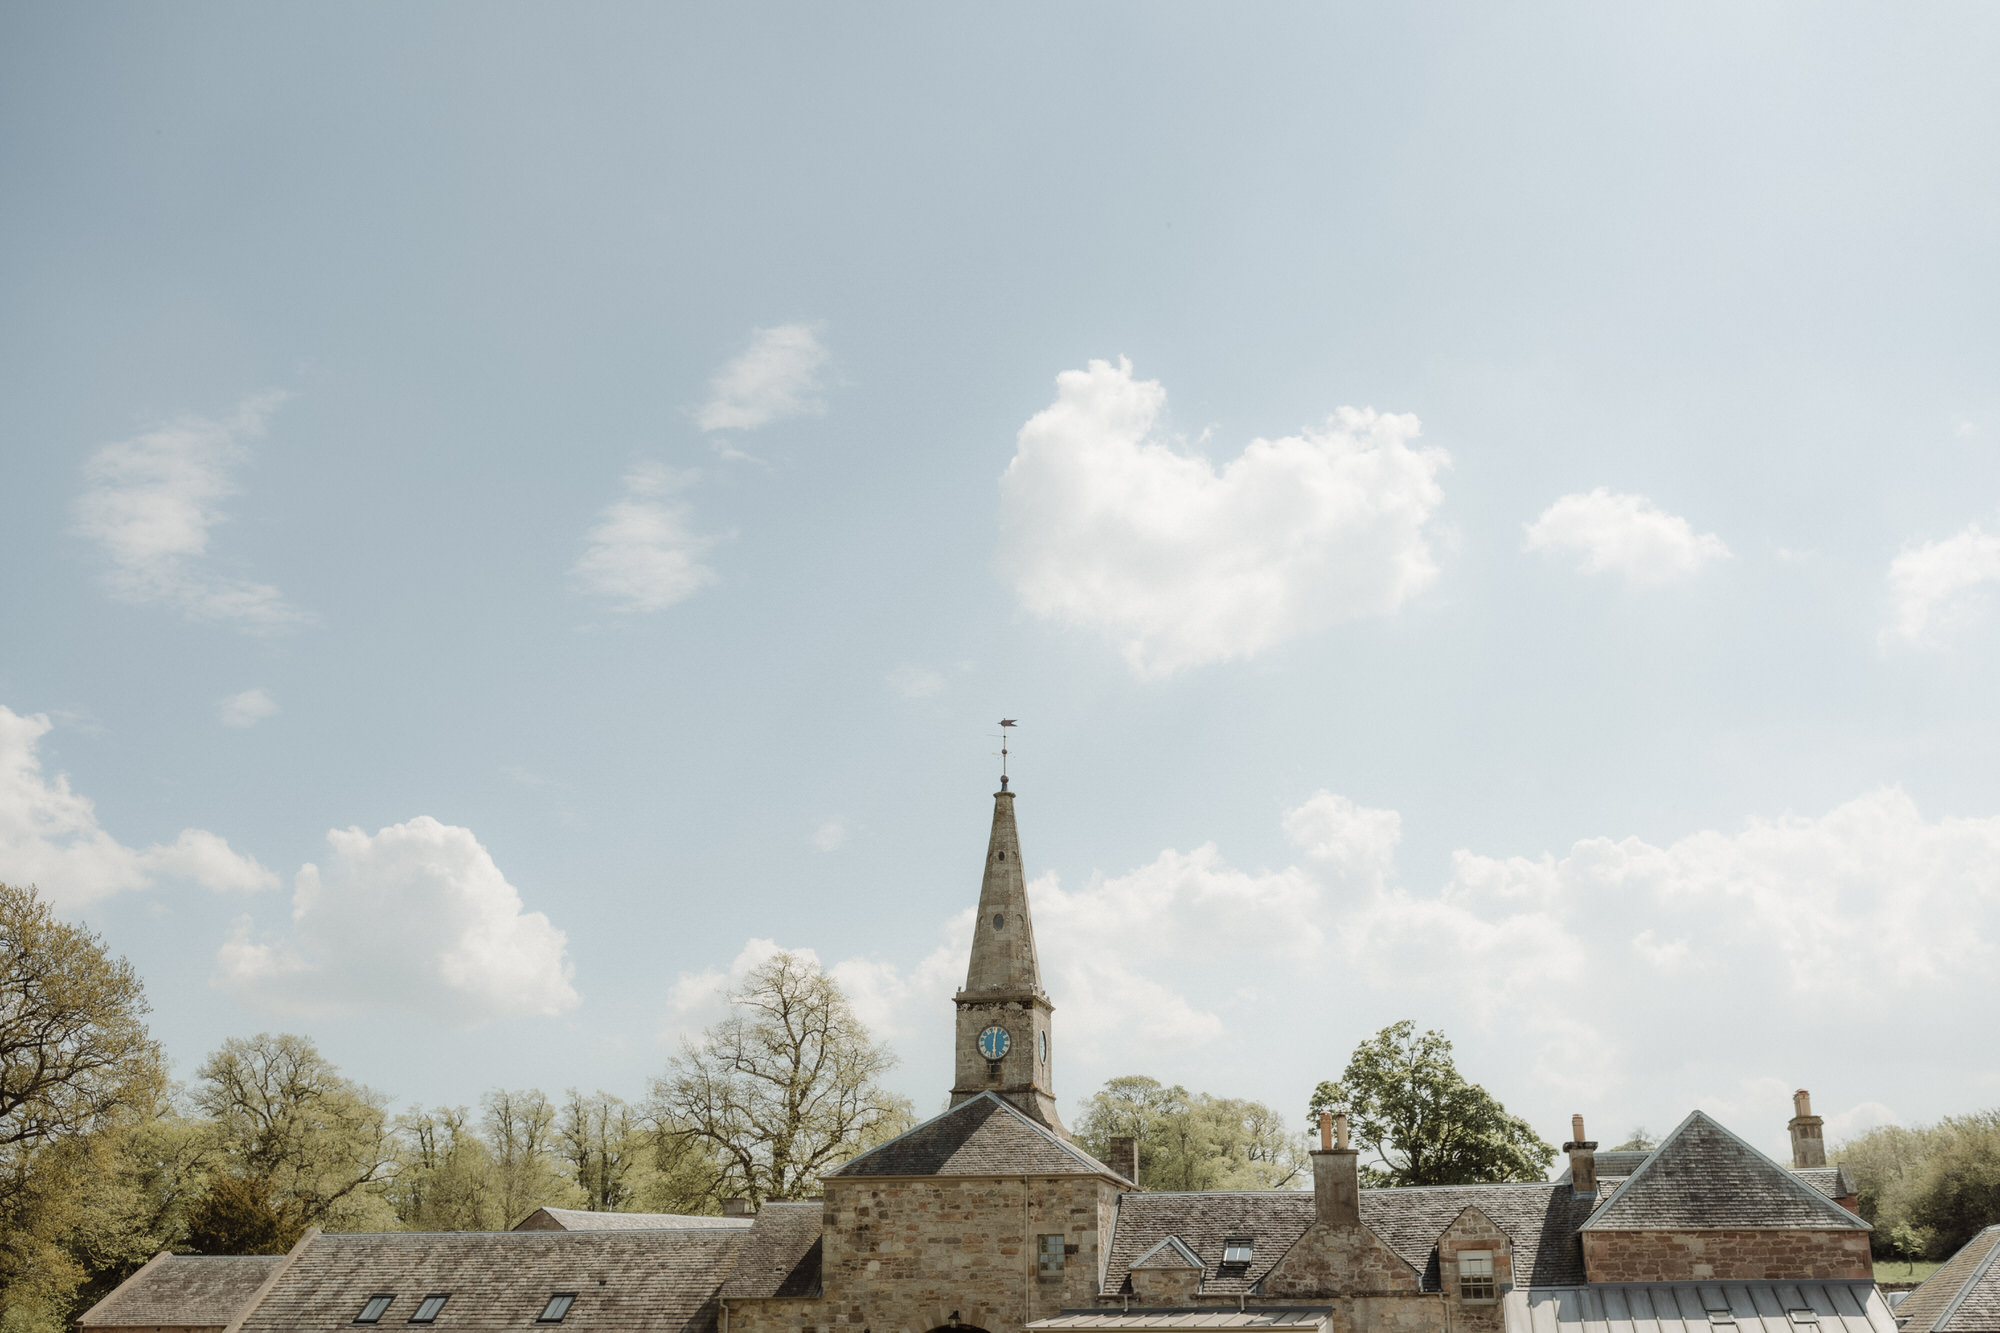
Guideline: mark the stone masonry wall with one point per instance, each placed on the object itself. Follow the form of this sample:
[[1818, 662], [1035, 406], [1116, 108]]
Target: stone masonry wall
[[902, 1256], [1736, 1256], [1340, 1261], [1474, 1230]]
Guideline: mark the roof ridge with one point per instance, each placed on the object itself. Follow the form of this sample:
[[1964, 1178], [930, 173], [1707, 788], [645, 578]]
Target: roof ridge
[[1958, 1297], [1049, 1134], [945, 1114]]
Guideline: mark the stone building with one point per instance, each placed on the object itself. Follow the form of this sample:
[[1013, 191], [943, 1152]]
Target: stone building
[[989, 1218]]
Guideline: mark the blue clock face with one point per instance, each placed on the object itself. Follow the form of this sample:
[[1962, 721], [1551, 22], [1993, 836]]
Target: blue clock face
[[995, 1043]]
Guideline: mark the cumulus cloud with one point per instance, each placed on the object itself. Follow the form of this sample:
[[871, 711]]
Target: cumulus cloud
[[1109, 529], [1625, 534], [1560, 976], [50, 836], [246, 709], [642, 555], [1938, 586], [150, 503], [415, 918], [774, 378]]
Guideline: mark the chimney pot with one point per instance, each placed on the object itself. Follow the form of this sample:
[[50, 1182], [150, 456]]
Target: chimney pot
[[1326, 1131], [1340, 1132], [1576, 1128]]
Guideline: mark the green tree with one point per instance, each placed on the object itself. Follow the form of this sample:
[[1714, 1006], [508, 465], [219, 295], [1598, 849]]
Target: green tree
[[1927, 1188], [1191, 1142], [1640, 1139], [528, 1167], [445, 1178], [78, 1075], [299, 1146], [1407, 1103], [604, 1145], [784, 1088]]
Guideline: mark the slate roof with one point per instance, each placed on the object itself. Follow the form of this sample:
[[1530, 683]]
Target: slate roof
[[1171, 1253], [1540, 1219], [1702, 1177], [626, 1281], [1832, 1181], [984, 1136], [190, 1290], [1961, 1297], [1613, 1164], [1693, 1307], [781, 1256], [578, 1219]]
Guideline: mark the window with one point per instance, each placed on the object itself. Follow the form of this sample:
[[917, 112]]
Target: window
[[427, 1309], [558, 1306], [1049, 1249], [373, 1310], [1804, 1317], [1475, 1275], [1236, 1250]]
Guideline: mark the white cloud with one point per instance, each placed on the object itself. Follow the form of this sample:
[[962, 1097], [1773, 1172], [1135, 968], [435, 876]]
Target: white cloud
[[50, 837], [830, 836], [1106, 528], [247, 709], [1625, 534], [774, 379], [915, 682], [1937, 587], [415, 918], [642, 556], [150, 503]]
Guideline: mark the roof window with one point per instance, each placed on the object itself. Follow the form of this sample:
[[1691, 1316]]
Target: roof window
[[373, 1309], [428, 1307], [558, 1306], [1236, 1250], [1803, 1316]]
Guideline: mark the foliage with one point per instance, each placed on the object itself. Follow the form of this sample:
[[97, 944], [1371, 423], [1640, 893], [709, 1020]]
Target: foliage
[[299, 1144], [1407, 1103], [1640, 1139], [527, 1166], [784, 1088], [1928, 1189], [1194, 1142], [445, 1177]]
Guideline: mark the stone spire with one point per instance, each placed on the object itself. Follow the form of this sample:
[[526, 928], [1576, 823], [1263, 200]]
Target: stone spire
[[1004, 1029]]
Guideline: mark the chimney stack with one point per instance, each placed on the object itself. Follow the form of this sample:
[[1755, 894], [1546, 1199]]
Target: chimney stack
[[1582, 1159], [1124, 1157], [737, 1208], [1808, 1146], [1336, 1175]]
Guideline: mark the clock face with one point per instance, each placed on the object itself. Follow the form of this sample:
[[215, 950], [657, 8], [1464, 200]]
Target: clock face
[[995, 1043]]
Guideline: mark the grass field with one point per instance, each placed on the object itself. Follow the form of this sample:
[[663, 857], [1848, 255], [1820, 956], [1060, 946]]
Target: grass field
[[1898, 1271]]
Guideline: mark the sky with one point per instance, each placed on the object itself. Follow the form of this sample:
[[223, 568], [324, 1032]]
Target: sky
[[1484, 516]]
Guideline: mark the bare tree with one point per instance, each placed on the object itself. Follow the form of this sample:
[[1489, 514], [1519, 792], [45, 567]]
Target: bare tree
[[527, 1161], [783, 1089]]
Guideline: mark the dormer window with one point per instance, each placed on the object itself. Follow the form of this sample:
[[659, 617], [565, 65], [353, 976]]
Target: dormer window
[[373, 1309], [1475, 1275], [1237, 1250]]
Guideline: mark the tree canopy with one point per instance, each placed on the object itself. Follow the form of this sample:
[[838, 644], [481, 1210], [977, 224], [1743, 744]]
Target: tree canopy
[[1930, 1188], [1424, 1122], [784, 1088], [1192, 1142]]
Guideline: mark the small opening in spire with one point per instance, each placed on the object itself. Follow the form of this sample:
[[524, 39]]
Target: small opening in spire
[[999, 920]]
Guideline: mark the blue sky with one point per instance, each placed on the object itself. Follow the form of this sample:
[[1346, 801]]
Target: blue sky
[[1484, 517]]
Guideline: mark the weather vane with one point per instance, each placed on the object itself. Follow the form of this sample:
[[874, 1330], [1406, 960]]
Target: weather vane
[[1005, 722]]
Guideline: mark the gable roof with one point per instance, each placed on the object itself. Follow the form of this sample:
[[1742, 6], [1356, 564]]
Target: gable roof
[[982, 1136], [1169, 1253], [189, 1290], [1963, 1296], [781, 1256], [1540, 1221], [1832, 1181], [1704, 1178], [578, 1219], [1613, 1163], [625, 1281]]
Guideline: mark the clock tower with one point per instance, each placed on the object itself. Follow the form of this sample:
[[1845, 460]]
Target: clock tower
[[1003, 1012]]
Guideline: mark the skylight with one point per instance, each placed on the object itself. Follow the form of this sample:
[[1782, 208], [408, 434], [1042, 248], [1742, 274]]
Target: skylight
[[1236, 1250], [427, 1309], [373, 1310], [558, 1306]]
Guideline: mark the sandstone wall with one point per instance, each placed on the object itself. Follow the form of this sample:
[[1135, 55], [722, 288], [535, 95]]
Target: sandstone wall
[[1738, 1256], [1339, 1261]]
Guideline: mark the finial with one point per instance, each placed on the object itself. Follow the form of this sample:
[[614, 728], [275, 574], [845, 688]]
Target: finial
[[1005, 722]]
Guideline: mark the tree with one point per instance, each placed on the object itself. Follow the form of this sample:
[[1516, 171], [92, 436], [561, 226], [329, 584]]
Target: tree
[[75, 1055], [445, 1178], [1927, 1188], [1407, 1103], [1193, 1142], [784, 1088], [1640, 1139], [603, 1145], [528, 1169], [299, 1145]]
